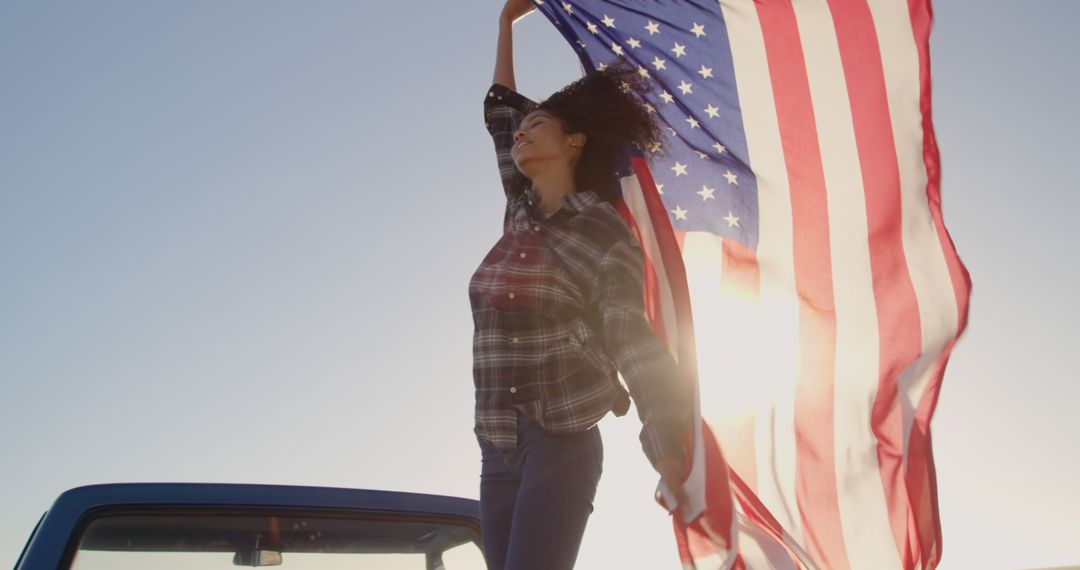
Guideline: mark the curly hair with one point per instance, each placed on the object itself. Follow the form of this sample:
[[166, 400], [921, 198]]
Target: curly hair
[[608, 106]]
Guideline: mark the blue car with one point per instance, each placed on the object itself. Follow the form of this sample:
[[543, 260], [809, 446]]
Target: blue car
[[207, 526]]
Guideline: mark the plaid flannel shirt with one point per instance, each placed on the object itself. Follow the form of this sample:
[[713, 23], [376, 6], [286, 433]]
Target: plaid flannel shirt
[[538, 299]]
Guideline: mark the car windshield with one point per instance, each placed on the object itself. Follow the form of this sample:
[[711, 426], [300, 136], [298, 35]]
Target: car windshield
[[169, 541]]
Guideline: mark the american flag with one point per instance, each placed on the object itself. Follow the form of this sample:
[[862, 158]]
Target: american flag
[[797, 212]]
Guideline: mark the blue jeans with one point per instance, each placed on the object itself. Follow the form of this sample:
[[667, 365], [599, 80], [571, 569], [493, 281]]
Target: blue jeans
[[533, 508]]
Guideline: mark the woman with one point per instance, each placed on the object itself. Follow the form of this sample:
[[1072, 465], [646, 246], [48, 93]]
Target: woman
[[557, 309]]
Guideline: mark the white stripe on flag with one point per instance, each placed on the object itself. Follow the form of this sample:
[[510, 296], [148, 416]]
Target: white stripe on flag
[[775, 427], [703, 260], [864, 514]]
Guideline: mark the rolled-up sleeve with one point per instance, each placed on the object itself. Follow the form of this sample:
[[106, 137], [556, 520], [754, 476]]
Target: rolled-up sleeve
[[660, 391], [504, 110]]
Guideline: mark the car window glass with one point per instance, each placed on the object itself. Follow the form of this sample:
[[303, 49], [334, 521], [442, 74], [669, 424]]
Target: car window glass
[[179, 541]]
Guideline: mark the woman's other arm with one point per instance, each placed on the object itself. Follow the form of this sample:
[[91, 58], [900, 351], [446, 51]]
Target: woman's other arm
[[513, 11], [504, 107]]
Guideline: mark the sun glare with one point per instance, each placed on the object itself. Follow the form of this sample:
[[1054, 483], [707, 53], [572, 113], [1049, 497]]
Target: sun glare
[[746, 344]]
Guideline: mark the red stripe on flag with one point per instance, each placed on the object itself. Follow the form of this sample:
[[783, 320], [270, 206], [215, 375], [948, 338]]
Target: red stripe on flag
[[699, 538], [653, 310], [899, 332], [672, 264], [924, 550], [718, 507], [714, 528], [921, 478], [815, 477]]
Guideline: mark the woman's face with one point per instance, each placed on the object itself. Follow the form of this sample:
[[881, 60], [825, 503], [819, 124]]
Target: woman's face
[[541, 142]]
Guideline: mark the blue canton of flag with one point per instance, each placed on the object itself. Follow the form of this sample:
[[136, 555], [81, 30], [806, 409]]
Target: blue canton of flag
[[704, 176]]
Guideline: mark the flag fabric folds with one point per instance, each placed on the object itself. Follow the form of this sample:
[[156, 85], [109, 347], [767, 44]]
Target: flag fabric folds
[[797, 260]]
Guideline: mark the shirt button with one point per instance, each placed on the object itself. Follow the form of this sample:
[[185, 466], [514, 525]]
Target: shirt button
[[511, 295], [513, 390], [522, 255], [515, 340], [536, 228]]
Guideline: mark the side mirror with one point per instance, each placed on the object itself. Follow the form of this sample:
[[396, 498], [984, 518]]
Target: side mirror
[[257, 558]]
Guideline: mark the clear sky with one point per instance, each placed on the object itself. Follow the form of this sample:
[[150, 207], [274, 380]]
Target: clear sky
[[235, 241]]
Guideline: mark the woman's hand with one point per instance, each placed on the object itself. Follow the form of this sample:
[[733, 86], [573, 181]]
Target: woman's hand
[[515, 9], [672, 475]]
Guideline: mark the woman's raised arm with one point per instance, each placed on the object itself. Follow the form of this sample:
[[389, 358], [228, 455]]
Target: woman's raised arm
[[513, 11]]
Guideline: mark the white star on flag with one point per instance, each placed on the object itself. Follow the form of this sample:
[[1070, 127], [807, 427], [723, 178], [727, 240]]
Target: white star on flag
[[658, 63], [706, 72], [667, 97], [706, 193], [679, 168], [680, 214], [732, 221], [653, 27], [719, 148], [685, 87], [698, 30], [731, 178], [712, 111], [679, 49], [608, 21], [693, 122], [592, 28], [633, 43]]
